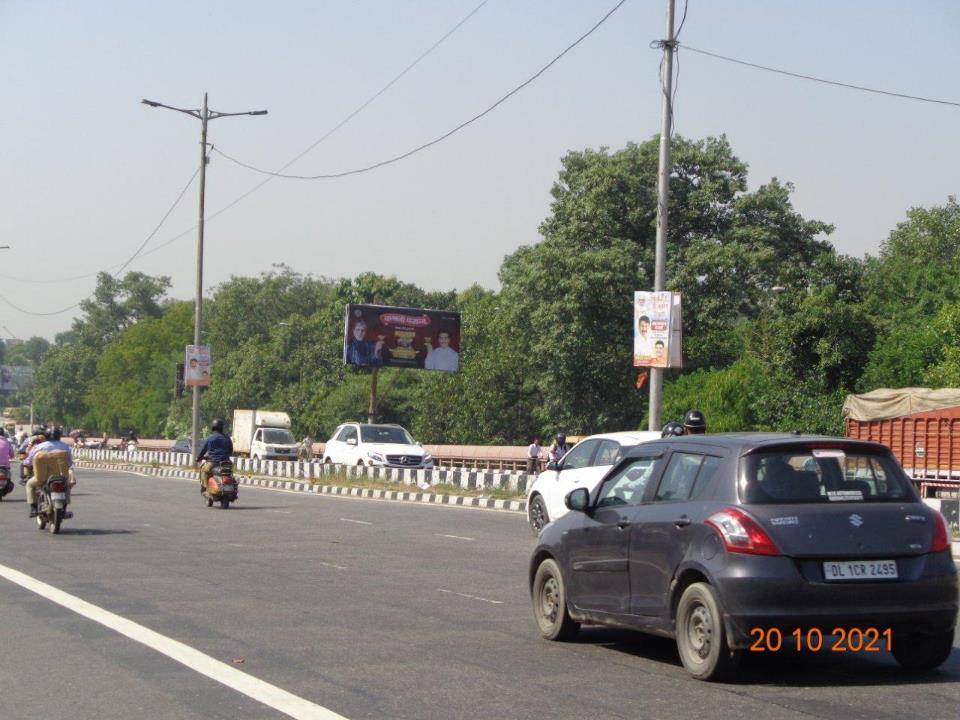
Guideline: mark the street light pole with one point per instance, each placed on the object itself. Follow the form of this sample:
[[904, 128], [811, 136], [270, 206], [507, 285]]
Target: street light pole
[[205, 115], [663, 201]]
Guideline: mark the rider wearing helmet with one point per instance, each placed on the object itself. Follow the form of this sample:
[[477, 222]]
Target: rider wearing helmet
[[51, 444], [673, 429], [216, 449], [559, 447], [694, 422]]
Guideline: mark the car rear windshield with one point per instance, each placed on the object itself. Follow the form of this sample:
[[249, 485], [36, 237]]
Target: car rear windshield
[[385, 434], [822, 476], [278, 437]]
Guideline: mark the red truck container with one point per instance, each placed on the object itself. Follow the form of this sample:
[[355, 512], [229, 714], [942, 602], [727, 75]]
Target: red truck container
[[920, 425]]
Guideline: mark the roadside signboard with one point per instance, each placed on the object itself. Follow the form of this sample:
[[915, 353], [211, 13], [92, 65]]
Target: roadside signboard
[[196, 370], [384, 336], [15, 377], [657, 329]]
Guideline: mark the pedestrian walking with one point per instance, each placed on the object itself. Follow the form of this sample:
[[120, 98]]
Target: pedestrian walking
[[533, 456]]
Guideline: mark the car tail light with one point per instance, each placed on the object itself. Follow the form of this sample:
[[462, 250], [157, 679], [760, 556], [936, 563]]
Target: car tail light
[[941, 537], [741, 533], [58, 486]]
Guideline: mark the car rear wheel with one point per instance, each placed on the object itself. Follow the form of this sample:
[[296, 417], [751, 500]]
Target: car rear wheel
[[537, 514], [550, 603], [701, 638], [922, 652]]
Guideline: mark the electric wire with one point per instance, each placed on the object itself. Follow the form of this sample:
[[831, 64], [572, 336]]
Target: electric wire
[[825, 81], [439, 139], [122, 266]]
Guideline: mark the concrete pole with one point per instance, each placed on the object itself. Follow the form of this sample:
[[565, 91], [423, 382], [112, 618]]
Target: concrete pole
[[663, 200], [198, 307], [372, 408]]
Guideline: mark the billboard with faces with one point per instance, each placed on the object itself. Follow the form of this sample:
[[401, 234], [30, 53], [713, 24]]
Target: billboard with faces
[[384, 336]]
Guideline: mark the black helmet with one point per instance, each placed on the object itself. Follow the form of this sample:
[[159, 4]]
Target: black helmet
[[672, 429], [217, 425], [561, 439], [694, 422], [55, 433], [3, 433]]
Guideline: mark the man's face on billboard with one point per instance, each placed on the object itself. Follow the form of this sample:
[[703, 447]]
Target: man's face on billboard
[[444, 339], [644, 326], [658, 350], [360, 331], [193, 363]]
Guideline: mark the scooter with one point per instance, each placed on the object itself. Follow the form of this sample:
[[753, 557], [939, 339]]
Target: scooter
[[6, 484], [52, 502], [221, 485]]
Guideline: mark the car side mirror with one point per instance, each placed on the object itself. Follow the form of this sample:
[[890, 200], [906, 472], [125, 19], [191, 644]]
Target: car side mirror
[[577, 499], [553, 465], [352, 441]]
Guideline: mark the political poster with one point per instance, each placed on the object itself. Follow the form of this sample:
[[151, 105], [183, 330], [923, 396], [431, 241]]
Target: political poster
[[196, 369], [657, 329], [14, 378], [384, 336]]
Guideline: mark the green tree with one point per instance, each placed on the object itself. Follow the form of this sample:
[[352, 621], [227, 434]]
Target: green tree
[[29, 352]]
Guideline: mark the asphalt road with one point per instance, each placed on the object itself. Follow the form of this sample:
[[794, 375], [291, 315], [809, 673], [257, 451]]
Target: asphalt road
[[371, 609]]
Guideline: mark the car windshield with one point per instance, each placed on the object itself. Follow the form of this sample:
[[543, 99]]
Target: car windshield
[[385, 434], [822, 476], [278, 437]]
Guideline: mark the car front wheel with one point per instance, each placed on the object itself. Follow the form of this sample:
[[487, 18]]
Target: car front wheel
[[550, 603], [701, 638], [922, 652], [537, 514]]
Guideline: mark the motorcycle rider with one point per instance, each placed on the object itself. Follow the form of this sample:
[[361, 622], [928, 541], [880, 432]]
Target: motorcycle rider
[[558, 448], [53, 444], [6, 451], [216, 449], [673, 429]]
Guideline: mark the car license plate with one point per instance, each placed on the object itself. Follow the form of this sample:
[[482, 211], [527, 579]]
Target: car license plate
[[58, 496], [841, 570]]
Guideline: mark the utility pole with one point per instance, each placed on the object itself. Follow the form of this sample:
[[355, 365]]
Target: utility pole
[[372, 407], [205, 115], [663, 200]]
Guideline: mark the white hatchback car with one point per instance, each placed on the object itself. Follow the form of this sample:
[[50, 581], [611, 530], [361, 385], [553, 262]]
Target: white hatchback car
[[584, 465], [375, 445]]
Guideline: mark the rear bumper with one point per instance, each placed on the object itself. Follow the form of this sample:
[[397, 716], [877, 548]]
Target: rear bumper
[[787, 594]]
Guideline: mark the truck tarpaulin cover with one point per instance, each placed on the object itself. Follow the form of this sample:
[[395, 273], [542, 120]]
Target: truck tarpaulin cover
[[886, 403], [378, 335]]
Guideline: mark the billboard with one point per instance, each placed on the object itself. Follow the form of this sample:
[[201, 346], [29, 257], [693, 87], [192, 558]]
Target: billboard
[[657, 329], [15, 377], [383, 336], [196, 369]]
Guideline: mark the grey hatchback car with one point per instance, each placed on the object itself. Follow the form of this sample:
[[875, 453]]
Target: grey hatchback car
[[739, 542]]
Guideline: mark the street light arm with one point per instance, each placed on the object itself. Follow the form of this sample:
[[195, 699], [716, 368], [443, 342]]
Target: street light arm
[[153, 103], [214, 115]]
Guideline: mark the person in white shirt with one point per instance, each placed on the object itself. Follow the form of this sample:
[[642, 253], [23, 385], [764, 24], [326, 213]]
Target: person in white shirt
[[443, 357], [533, 456], [53, 444]]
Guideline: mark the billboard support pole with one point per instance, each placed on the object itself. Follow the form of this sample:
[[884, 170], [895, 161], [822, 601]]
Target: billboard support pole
[[372, 408]]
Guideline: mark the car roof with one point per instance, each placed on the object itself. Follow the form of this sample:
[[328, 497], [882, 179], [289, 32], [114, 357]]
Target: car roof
[[627, 437], [743, 443]]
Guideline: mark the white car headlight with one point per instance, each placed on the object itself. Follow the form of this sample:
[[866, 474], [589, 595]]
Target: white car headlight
[[375, 456], [427, 458]]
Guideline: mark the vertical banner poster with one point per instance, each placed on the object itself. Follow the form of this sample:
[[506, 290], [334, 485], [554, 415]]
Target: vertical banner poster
[[383, 336], [657, 329], [196, 369]]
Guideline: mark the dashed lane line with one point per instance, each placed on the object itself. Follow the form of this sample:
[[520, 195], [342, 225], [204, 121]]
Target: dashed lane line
[[358, 522], [471, 597], [263, 692], [455, 537]]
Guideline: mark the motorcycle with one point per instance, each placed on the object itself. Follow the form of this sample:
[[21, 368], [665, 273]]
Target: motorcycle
[[6, 484], [52, 502], [221, 485]]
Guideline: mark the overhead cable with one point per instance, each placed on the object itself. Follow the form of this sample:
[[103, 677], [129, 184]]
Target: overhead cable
[[819, 79], [441, 138]]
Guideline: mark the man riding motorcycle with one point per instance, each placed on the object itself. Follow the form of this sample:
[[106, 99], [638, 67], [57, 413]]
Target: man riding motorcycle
[[53, 445], [217, 448], [6, 455]]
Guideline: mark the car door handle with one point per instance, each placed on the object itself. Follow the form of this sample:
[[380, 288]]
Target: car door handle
[[622, 524], [682, 521]]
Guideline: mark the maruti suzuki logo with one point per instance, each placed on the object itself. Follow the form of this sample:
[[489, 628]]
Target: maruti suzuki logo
[[856, 520]]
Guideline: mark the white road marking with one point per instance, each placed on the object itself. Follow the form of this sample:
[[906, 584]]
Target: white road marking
[[471, 597], [263, 692], [358, 522], [281, 512], [326, 564], [455, 537]]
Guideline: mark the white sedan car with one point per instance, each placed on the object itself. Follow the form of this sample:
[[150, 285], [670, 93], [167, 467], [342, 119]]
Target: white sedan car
[[376, 446], [584, 465]]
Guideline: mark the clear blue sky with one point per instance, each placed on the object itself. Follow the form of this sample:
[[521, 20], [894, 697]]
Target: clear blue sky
[[87, 171]]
